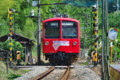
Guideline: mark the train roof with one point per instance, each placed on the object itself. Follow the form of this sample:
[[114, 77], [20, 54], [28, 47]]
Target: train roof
[[60, 18]]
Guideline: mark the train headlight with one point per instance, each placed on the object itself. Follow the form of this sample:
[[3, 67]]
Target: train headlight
[[46, 43], [74, 43]]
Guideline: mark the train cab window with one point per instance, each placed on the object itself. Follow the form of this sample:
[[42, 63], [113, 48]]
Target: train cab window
[[69, 29], [52, 29]]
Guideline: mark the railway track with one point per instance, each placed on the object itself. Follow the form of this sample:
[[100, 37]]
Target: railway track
[[39, 77], [51, 69]]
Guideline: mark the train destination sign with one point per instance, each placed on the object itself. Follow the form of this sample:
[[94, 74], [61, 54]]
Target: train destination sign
[[63, 23], [67, 23], [54, 24]]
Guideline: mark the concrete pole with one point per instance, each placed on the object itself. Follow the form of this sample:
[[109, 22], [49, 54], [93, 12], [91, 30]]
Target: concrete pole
[[117, 5], [103, 38], [107, 42], [39, 36]]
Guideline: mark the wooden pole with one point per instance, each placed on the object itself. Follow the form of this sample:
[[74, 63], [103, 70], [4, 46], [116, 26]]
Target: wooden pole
[[111, 47]]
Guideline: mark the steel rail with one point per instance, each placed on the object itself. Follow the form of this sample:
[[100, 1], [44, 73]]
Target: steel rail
[[39, 77], [66, 74]]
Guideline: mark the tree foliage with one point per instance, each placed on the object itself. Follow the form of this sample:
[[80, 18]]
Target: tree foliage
[[15, 45], [27, 27]]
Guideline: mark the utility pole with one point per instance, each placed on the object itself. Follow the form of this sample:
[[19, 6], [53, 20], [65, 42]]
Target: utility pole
[[39, 36], [117, 5], [105, 41]]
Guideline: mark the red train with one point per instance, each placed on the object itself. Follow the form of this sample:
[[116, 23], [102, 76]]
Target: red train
[[61, 40]]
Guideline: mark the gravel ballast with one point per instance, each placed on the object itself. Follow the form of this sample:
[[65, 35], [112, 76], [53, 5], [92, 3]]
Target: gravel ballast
[[34, 71], [85, 74], [77, 73]]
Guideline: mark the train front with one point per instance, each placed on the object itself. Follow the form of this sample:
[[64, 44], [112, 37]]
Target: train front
[[61, 40]]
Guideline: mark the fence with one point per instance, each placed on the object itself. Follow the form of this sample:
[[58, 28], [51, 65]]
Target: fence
[[114, 74]]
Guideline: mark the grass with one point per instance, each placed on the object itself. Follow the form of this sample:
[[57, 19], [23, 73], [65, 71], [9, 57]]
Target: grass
[[12, 74], [84, 63], [35, 54]]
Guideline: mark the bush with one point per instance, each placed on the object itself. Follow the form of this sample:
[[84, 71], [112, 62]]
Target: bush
[[15, 45], [13, 76]]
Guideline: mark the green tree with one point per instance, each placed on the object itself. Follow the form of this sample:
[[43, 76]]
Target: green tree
[[15, 45]]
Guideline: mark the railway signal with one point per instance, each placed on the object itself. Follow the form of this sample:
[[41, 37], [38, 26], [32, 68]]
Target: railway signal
[[10, 17], [95, 25]]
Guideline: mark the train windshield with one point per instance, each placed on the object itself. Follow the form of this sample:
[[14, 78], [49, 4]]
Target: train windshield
[[69, 29], [52, 29]]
